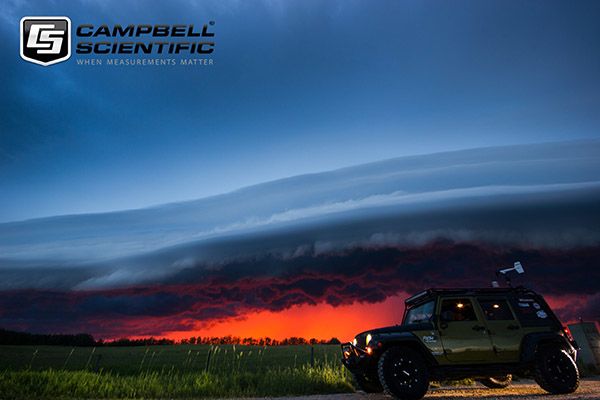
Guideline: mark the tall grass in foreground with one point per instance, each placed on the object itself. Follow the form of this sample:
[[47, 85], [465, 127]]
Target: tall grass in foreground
[[285, 381], [185, 371], [180, 358]]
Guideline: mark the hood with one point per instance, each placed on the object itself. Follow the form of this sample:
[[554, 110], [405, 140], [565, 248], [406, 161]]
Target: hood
[[393, 329]]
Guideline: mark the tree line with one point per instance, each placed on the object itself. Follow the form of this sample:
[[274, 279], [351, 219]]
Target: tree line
[[263, 341], [15, 338], [24, 338]]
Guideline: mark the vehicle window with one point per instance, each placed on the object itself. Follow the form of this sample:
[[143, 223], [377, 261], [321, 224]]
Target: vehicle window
[[530, 312], [419, 314], [496, 310], [457, 310]]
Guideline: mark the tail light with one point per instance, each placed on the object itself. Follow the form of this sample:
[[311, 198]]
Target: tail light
[[567, 333]]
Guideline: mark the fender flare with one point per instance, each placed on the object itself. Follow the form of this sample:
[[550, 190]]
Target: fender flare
[[532, 341], [409, 339]]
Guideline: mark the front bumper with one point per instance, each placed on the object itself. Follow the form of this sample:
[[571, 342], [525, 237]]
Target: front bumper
[[357, 359]]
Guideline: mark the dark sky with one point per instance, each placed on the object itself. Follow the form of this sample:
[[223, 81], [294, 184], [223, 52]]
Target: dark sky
[[298, 86]]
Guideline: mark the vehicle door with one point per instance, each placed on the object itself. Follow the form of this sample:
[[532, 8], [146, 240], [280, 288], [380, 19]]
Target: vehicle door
[[463, 332], [504, 329]]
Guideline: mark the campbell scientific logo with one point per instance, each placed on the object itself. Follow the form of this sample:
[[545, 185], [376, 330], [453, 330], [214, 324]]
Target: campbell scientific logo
[[45, 40], [48, 40]]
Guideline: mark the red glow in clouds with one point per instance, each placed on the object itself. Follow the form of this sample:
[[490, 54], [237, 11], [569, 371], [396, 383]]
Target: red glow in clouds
[[334, 295], [322, 321]]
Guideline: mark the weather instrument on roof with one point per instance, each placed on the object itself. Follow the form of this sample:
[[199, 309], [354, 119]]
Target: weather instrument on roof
[[517, 267]]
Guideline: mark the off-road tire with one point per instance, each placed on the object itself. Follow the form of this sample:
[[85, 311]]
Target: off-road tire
[[414, 381], [497, 382], [367, 383], [555, 371]]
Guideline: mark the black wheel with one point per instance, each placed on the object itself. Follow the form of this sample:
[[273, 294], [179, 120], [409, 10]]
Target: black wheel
[[497, 382], [403, 373], [367, 383], [555, 371]]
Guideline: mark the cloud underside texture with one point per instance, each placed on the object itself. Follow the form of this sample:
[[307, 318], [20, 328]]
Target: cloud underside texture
[[362, 261], [192, 300], [357, 235]]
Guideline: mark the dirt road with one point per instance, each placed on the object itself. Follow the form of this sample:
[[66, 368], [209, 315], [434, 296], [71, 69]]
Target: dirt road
[[526, 390]]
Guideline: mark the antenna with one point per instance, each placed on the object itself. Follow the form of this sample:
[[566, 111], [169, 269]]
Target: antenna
[[517, 267]]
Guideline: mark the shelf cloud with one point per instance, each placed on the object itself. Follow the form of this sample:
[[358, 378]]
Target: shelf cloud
[[359, 234]]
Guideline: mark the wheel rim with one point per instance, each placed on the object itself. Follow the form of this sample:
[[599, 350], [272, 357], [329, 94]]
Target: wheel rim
[[406, 373], [559, 368]]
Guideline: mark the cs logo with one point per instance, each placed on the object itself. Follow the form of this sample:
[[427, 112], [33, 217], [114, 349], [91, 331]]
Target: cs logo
[[45, 40]]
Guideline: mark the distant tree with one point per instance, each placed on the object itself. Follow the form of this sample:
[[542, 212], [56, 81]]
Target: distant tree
[[140, 342], [23, 338], [83, 339]]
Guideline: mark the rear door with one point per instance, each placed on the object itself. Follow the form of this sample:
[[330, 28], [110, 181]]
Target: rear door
[[533, 313], [463, 332], [505, 331]]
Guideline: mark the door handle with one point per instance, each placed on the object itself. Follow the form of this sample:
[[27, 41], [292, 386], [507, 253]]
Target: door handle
[[478, 328], [512, 327]]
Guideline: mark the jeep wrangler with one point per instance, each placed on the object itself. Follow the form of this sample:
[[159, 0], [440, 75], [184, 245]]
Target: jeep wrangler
[[486, 334]]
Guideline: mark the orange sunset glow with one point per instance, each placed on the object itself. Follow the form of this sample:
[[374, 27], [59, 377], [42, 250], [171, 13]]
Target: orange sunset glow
[[322, 321]]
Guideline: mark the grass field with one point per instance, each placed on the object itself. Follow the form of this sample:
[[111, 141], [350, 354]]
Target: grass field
[[182, 371]]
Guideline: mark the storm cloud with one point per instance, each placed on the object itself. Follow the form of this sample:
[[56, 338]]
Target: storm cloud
[[359, 234], [193, 299]]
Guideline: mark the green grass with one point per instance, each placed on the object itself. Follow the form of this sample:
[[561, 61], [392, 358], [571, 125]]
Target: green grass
[[178, 358], [83, 384], [181, 371], [169, 372]]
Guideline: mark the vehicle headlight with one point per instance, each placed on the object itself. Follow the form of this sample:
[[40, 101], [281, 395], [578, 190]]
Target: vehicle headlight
[[369, 337], [354, 342]]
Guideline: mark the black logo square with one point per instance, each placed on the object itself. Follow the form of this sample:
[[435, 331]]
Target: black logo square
[[45, 40]]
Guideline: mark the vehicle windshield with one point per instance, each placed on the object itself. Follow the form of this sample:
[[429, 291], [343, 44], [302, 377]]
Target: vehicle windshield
[[419, 314]]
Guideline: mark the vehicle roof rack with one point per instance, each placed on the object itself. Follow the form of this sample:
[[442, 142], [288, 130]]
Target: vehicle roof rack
[[425, 294]]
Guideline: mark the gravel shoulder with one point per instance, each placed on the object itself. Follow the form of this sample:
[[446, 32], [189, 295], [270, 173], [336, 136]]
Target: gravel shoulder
[[524, 390], [589, 389]]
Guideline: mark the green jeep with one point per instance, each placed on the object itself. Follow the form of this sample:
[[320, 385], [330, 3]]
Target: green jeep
[[449, 334]]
